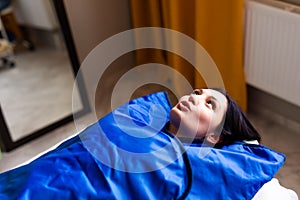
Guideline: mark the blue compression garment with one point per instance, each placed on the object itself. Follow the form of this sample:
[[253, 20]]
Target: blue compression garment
[[128, 155]]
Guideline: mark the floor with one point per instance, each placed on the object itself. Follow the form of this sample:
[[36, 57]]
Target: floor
[[276, 135], [34, 85], [285, 139]]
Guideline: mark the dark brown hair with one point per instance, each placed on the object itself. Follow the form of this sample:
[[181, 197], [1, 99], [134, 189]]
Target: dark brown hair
[[235, 126]]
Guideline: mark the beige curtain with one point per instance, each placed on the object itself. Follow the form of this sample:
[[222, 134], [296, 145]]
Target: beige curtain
[[216, 25]]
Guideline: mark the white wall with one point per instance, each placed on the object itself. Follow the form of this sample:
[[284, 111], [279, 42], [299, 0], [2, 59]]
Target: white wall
[[36, 13]]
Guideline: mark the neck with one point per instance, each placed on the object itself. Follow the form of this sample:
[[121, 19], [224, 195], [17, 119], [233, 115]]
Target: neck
[[174, 130], [171, 128]]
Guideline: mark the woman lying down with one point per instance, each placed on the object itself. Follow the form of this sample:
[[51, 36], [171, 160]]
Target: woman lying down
[[202, 148]]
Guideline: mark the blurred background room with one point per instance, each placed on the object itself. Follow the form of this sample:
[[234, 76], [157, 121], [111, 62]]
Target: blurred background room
[[254, 43]]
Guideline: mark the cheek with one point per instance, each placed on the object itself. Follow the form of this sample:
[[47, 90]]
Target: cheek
[[211, 122], [204, 123]]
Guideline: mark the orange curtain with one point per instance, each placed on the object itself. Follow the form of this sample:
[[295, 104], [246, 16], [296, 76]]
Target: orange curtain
[[214, 24]]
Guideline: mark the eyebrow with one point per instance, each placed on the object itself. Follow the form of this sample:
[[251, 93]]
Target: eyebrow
[[215, 99], [217, 102]]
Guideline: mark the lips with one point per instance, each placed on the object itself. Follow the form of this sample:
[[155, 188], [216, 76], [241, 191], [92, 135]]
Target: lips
[[184, 106]]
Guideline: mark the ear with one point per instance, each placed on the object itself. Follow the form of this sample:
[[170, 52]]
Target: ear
[[213, 137]]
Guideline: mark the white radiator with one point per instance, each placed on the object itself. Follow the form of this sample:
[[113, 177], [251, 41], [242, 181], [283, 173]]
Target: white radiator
[[272, 48]]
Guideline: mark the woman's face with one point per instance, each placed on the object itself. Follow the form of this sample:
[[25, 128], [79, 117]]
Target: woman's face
[[199, 113]]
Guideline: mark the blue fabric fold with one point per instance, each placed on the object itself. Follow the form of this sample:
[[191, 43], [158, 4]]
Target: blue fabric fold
[[128, 155]]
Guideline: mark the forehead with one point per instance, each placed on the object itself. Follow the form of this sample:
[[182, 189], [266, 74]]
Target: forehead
[[218, 96]]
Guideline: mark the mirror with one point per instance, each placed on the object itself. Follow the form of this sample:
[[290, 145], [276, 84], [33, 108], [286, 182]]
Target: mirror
[[36, 94]]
